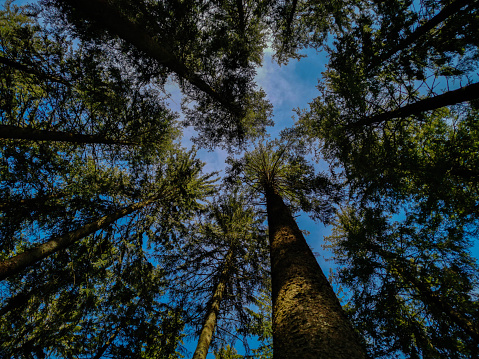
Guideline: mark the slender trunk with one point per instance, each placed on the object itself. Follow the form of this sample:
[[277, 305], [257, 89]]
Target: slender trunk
[[409, 272], [105, 13], [208, 329], [466, 93], [308, 320], [36, 202], [289, 23], [25, 133], [446, 12], [25, 68], [23, 260]]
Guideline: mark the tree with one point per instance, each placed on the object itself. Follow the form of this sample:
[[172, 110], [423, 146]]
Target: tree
[[212, 56], [383, 125], [412, 283], [100, 297], [96, 102], [308, 320], [220, 262]]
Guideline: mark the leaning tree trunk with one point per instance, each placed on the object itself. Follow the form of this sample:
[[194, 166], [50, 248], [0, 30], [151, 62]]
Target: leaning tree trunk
[[308, 320], [209, 325], [32, 134], [29, 257], [463, 94]]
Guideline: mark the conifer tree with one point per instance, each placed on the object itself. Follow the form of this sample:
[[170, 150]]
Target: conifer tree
[[220, 262], [308, 320]]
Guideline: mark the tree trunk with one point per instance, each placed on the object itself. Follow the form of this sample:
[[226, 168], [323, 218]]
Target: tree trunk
[[208, 329], [446, 12], [23, 260], [466, 93], [25, 133], [107, 15], [308, 320], [408, 272]]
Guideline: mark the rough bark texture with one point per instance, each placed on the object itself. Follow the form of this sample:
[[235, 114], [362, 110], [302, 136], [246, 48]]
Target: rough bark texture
[[308, 320], [25, 133], [466, 93], [209, 325], [23, 260]]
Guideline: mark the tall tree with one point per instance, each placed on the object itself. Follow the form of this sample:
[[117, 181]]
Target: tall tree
[[391, 124], [103, 297], [308, 320], [97, 102], [221, 261], [412, 283], [212, 56]]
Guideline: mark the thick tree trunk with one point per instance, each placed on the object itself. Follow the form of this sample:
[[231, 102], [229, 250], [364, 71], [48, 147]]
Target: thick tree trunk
[[25, 133], [446, 12], [466, 93], [23, 260], [308, 320], [209, 325]]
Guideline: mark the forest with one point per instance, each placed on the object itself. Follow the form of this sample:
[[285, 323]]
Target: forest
[[116, 242]]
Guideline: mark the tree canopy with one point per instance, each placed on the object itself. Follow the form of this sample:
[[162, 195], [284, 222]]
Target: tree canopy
[[115, 242]]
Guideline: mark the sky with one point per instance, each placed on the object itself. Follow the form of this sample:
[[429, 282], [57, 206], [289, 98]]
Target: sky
[[287, 87]]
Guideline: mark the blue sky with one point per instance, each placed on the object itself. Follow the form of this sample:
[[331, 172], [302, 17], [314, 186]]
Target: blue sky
[[288, 87]]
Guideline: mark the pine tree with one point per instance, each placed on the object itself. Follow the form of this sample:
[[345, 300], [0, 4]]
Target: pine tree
[[308, 320]]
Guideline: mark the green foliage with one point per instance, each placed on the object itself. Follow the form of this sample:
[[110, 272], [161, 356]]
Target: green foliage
[[226, 227], [262, 326], [412, 283], [56, 84], [136, 288], [211, 55], [282, 168], [227, 352]]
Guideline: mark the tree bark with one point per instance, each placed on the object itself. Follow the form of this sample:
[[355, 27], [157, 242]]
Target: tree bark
[[23, 260], [446, 12], [25, 133], [209, 325], [308, 320], [466, 93]]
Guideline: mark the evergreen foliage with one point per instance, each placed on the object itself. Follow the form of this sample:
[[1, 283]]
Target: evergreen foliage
[[114, 243]]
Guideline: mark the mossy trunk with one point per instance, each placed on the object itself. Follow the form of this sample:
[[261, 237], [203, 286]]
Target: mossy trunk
[[308, 320], [209, 325]]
